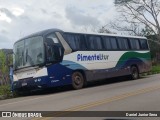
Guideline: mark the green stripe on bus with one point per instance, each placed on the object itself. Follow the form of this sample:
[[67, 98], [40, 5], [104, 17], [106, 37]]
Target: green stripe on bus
[[129, 55]]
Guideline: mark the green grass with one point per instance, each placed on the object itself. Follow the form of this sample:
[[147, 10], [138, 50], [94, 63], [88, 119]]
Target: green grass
[[5, 92], [155, 69]]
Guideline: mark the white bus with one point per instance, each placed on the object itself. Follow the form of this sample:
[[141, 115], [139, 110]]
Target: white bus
[[53, 57]]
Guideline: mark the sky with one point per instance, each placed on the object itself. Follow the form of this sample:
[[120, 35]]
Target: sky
[[19, 18]]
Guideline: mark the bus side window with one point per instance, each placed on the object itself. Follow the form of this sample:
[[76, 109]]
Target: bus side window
[[113, 43], [134, 44], [75, 41], [106, 43], [144, 45], [110, 43], [123, 43], [94, 42]]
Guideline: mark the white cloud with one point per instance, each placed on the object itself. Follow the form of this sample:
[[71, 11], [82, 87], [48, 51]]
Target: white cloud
[[78, 17], [4, 41], [17, 11], [4, 17], [22, 17]]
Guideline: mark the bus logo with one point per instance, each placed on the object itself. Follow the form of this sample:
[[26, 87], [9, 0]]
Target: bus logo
[[81, 57]]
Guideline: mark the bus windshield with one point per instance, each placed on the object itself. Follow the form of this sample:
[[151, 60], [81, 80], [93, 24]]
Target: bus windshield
[[28, 52]]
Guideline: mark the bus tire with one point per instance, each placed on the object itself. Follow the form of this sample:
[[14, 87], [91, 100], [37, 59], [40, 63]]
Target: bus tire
[[134, 73], [77, 80]]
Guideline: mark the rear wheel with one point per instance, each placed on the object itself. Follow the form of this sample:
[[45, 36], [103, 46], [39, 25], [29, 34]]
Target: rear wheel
[[134, 73], [77, 80]]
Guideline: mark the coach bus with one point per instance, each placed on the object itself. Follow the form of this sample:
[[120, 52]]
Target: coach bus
[[53, 58]]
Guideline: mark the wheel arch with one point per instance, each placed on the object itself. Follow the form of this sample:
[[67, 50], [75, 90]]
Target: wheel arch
[[82, 72]]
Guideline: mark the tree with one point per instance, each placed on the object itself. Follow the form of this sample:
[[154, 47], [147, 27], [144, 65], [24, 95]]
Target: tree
[[147, 32], [127, 28], [144, 12], [4, 67]]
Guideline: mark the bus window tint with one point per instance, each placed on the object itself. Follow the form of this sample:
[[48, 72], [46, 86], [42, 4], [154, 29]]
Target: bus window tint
[[75, 41], [144, 44], [107, 43], [113, 43], [134, 44], [123, 43], [94, 42]]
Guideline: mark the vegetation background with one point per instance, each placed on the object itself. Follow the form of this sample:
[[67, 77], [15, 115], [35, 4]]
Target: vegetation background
[[139, 17]]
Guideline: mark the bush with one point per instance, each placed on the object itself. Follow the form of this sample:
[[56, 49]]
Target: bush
[[5, 92], [155, 69]]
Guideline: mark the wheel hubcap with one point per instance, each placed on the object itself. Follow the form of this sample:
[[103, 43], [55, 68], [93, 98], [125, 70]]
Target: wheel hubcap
[[77, 80], [135, 73]]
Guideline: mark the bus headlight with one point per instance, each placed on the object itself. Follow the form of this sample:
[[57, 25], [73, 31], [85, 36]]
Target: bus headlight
[[35, 80], [39, 79]]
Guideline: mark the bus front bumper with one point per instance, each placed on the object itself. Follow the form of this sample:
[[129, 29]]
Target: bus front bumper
[[30, 84]]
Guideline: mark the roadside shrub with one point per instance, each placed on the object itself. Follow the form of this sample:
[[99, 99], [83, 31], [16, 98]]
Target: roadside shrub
[[156, 69], [5, 92]]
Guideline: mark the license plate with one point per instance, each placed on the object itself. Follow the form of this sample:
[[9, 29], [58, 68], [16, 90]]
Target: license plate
[[24, 84]]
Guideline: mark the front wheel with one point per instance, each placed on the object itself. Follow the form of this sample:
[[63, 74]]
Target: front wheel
[[77, 80], [134, 73]]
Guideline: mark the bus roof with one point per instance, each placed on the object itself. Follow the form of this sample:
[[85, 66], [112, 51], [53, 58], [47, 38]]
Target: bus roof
[[45, 32], [40, 33]]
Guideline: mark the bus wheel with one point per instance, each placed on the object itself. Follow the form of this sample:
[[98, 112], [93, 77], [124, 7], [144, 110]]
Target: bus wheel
[[134, 73], [77, 80]]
